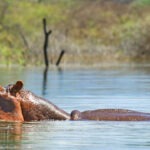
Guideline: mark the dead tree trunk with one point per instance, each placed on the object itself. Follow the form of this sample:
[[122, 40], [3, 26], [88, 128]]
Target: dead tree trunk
[[60, 57], [46, 33]]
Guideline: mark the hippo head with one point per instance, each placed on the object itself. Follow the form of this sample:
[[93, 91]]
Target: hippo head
[[76, 115], [10, 107], [13, 89]]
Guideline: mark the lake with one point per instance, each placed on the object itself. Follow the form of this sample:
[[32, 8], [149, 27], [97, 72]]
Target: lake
[[124, 86]]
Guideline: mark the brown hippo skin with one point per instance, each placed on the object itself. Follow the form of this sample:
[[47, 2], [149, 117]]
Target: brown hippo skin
[[110, 115], [37, 108], [34, 107]]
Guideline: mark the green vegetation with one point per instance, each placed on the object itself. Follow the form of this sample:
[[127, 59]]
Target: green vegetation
[[89, 30], [143, 2]]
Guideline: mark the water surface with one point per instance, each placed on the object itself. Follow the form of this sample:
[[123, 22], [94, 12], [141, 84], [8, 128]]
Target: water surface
[[83, 89]]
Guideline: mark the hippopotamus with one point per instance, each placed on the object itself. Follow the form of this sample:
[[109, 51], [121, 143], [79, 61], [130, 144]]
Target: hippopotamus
[[110, 115], [32, 107], [19, 104]]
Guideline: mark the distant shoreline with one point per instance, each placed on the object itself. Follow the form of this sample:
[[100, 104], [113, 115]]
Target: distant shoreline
[[74, 66]]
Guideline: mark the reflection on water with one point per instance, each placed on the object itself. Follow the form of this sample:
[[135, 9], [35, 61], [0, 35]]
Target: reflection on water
[[118, 87], [75, 135], [44, 80], [10, 135], [45, 74]]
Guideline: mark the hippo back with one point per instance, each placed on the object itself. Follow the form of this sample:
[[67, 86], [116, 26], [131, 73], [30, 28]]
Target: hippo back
[[37, 108]]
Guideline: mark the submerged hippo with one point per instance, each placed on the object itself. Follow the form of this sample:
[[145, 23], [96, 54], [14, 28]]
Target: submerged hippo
[[110, 115], [18, 104]]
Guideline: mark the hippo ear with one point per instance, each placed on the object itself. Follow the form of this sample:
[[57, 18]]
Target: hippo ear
[[16, 88], [19, 85]]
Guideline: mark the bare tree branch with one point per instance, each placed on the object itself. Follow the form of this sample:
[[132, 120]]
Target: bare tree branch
[[46, 33]]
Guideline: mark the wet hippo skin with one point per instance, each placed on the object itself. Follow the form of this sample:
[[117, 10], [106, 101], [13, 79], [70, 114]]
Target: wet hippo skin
[[37, 108], [34, 107], [110, 115]]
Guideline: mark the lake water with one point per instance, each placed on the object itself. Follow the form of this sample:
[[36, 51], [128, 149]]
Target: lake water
[[125, 87]]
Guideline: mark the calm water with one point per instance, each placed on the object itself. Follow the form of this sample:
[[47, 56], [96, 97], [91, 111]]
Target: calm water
[[117, 87]]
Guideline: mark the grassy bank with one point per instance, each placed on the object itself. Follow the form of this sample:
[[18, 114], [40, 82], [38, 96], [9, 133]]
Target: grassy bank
[[89, 31]]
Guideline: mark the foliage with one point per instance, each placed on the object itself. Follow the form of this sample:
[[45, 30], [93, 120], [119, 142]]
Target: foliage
[[98, 27], [143, 2]]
